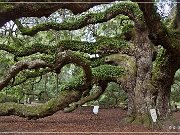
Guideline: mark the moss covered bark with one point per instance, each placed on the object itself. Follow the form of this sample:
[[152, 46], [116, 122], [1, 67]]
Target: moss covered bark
[[103, 45], [127, 81], [101, 76], [163, 71], [40, 111], [19, 66], [12, 11], [127, 8], [83, 100], [158, 32]]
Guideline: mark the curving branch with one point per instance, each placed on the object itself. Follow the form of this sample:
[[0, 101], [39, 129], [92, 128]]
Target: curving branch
[[101, 46], [19, 66], [31, 75], [40, 111], [158, 33], [67, 57], [62, 59], [101, 76], [11, 11], [94, 96], [127, 8]]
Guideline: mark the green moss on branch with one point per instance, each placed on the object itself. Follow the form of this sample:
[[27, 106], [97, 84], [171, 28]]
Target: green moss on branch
[[92, 96], [102, 45], [40, 111], [127, 8], [19, 66], [158, 63], [95, 62], [26, 75], [103, 72], [107, 72], [125, 61]]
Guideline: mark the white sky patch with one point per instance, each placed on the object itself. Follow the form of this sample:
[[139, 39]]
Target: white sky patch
[[7, 28], [164, 8]]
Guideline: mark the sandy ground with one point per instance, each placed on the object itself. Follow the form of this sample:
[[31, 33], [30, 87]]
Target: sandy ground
[[81, 121]]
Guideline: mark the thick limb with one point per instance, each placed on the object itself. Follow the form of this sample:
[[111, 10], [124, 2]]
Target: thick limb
[[83, 100], [11, 11], [40, 111], [127, 8]]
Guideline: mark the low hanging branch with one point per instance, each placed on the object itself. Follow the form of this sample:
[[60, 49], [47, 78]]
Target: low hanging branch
[[86, 99], [101, 76], [60, 102], [40, 111], [67, 57], [31, 75], [19, 66], [62, 59], [127, 8]]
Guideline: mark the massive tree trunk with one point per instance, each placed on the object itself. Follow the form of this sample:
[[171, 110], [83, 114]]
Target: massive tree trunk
[[143, 53], [153, 80]]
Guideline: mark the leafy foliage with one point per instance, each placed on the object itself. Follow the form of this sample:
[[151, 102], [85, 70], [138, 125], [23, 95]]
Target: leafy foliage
[[107, 72]]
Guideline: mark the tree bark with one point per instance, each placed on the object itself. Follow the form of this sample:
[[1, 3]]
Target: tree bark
[[40, 111], [128, 80], [12, 11], [100, 89], [163, 84], [144, 66]]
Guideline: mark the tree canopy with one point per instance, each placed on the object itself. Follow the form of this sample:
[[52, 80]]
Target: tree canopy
[[141, 52]]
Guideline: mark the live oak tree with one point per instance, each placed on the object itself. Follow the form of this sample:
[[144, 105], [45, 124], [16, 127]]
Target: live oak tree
[[143, 59]]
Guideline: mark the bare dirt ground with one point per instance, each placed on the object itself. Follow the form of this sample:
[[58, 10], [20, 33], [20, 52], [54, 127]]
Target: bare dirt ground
[[81, 121]]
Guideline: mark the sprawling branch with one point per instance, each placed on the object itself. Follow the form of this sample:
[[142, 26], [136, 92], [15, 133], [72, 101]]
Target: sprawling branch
[[94, 96], [158, 33], [29, 75], [62, 59], [101, 76], [40, 111], [103, 45], [19, 66], [62, 101], [12, 11], [127, 8], [67, 57], [26, 51]]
